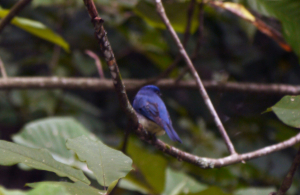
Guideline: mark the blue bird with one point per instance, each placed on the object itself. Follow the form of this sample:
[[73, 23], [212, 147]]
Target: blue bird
[[152, 112]]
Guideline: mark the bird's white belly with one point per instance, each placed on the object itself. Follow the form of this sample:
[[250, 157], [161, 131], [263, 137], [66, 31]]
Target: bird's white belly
[[150, 126]]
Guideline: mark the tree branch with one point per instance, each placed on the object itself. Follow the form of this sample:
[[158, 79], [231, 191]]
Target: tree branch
[[199, 41], [110, 60], [288, 180], [13, 12], [186, 37], [209, 163], [161, 11], [2, 70], [94, 84]]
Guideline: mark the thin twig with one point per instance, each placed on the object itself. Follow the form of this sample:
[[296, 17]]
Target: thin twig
[[3, 71], [126, 137], [190, 14], [161, 11], [55, 57], [13, 12], [288, 180], [199, 41], [97, 62], [186, 37]]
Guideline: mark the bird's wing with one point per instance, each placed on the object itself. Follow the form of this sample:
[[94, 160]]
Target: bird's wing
[[148, 109]]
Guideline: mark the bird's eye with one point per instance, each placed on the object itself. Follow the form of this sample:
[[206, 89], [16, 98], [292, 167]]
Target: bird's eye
[[158, 93]]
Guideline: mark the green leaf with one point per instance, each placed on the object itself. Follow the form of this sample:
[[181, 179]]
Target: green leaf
[[11, 154], [211, 190], [288, 110], [152, 166], [52, 134], [287, 11], [38, 29], [107, 164], [256, 191], [176, 12], [63, 188], [134, 184], [49, 189], [177, 182], [4, 191]]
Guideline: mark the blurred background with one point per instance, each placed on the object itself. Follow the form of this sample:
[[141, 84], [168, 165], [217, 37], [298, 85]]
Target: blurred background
[[231, 50]]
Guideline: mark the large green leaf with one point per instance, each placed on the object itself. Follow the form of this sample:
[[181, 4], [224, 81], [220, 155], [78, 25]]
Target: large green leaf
[[287, 11], [4, 191], [176, 12], [38, 29], [63, 188], [52, 133], [177, 182], [11, 154], [288, 110], [106, 163]]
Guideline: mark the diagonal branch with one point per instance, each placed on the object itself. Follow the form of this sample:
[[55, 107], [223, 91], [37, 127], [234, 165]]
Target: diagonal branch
[[186, 37], [161, 11], [288, 180], [13, 12], [110, 60]]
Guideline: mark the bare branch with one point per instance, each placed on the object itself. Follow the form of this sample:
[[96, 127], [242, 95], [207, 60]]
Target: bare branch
[[132, 84], [109, 57], [190, 14], [199, 41], [186, 37], [209, 163], [55, 57], [288, 180], [161, 11], [2, 68], [97, 62], [13, 12]]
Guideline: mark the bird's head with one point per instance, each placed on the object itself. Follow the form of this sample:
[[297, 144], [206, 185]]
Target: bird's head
[[152, 88]]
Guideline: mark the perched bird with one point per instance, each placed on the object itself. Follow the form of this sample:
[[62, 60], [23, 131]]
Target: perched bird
[[152, 112]]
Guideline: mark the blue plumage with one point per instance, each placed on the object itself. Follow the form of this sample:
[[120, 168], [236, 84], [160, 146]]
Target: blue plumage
[[152, 112]]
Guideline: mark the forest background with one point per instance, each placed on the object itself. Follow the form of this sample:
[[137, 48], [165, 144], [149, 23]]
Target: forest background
[[55, 39]]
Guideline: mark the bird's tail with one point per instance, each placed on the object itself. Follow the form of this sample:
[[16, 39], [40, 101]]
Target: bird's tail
[[172, 133]]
